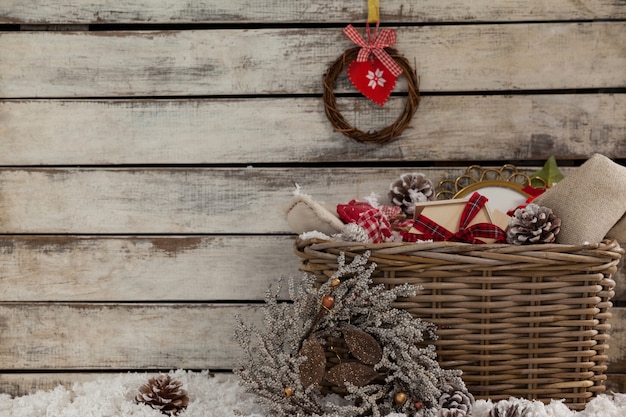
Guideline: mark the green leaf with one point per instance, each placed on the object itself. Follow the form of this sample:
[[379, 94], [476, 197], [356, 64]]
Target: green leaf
[[549, 174]]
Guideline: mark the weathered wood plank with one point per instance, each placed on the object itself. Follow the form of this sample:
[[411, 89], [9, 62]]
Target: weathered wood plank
[[616, 382], [620, 279], [174, 268], [617, 343], [66, 268], [157, 336], [177, 200], [120, 336], [101, 132], [19, 384], [245, 11], [224, 62]]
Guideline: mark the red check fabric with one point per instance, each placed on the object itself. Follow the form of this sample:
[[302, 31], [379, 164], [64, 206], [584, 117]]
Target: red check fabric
[[376, 224], [382, 39], [374, 220], [471, 234]]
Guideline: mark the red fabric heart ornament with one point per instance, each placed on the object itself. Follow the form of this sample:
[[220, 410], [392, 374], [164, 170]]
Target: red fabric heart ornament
[[350, 213], [372, 79]]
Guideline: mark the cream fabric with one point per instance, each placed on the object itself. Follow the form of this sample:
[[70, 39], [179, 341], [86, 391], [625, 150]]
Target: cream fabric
[[590, 202], [306, 215], [618, 232]]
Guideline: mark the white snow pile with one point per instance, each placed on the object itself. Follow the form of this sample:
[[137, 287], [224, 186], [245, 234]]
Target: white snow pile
[[220, 395]]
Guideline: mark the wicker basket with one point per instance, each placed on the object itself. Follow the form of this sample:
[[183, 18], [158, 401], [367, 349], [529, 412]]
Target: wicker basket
[[521, 321]]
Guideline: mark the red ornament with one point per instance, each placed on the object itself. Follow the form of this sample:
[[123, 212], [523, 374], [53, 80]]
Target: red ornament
[[374, 72], [328, 302], [418, 405], [372, 79], [351, 212]]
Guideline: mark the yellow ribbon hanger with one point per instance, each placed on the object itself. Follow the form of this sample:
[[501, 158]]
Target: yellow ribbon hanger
[[373, 11]]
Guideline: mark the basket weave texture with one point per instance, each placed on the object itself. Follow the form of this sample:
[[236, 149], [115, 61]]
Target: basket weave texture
[[522, 321]]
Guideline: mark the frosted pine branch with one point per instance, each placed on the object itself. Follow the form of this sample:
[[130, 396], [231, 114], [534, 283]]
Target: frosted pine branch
[[383, 367]]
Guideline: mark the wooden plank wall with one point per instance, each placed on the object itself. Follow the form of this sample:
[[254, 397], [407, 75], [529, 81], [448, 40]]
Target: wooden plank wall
[[148, 149]]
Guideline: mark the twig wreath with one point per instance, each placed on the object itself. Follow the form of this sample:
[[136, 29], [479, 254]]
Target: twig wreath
[[373, 68], [387, 133]]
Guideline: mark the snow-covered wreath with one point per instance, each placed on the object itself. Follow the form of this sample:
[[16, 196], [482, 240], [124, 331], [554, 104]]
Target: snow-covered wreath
[[342, 350]]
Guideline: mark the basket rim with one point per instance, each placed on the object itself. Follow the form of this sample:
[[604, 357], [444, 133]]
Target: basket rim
[[608, 245], [434, 244], [535, 259]]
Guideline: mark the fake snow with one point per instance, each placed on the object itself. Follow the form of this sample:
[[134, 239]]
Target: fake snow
[[218, 396]]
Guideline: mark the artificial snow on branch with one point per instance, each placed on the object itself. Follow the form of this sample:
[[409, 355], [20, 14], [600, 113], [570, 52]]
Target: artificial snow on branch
[[342, 350]]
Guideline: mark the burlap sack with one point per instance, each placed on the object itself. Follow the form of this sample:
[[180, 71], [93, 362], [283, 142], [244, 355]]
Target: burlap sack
[[618, 232], [589, 201]]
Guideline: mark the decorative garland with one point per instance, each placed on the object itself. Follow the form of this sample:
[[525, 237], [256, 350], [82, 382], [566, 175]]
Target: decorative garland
[[387, 133]]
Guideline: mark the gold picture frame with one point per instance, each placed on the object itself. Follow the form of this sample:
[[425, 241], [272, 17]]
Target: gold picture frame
[[503, 186]]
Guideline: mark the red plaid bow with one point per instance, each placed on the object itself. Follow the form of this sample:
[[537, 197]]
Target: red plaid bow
[[432, 230], [383, 39]]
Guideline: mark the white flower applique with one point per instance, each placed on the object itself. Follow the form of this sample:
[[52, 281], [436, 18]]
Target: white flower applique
[[376, 78]]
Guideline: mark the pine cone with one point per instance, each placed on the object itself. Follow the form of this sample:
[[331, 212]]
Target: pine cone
[[455, 403], [505, 409], [533, 224], [165, 394], [444, 412], [410, 189], [352, 232]]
